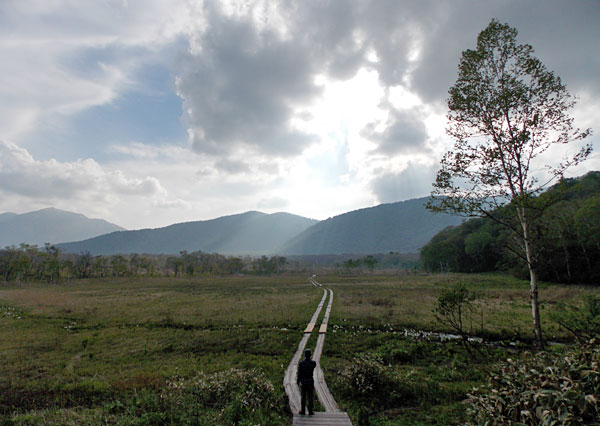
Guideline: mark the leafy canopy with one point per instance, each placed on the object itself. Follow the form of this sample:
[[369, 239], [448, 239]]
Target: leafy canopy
[[505, 110]]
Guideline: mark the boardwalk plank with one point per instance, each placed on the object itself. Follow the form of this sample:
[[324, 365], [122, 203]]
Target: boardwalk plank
[[323, 419]]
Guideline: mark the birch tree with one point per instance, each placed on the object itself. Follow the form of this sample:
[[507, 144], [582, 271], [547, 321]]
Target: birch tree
[[506, 110]]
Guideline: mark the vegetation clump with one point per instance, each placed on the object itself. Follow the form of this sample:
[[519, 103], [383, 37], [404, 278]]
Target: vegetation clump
[[568, 232], [367, 379], [583, 322], [541, 389], [236, 394], [455, 308]]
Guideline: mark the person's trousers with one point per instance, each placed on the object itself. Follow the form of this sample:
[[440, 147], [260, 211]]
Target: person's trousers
[[307, 395]]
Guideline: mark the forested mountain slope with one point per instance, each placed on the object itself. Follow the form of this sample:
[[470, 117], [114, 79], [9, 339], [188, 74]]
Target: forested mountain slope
[[246, 233], [401, 227]]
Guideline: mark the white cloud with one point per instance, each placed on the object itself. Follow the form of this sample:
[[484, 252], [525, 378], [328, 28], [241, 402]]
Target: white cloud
[[49, 65], [82, 185]]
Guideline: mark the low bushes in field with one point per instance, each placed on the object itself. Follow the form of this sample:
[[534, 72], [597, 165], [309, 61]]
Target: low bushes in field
[[581, 321], [241, 397], [541, 389], [236, 395], [371, 383]]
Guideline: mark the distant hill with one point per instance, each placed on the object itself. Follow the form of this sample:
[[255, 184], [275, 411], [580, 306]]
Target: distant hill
[[50, 226], [403, 227], [246, 233]]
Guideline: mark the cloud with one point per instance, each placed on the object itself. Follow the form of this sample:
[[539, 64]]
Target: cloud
[[560, 34], [232, 166], [62, 57], [273, 203], [76, 181], [242, 85], [333, 105], [413, 182], [403, 133]]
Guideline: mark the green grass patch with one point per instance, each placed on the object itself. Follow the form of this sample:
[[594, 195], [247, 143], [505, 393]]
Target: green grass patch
[[110, 351]]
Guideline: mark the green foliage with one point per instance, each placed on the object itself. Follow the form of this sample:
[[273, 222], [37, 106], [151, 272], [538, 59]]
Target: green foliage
[[541, 389], [370, 261], [568, 231], [454, 307], [29, 263], [236, 394], [582, 321], [367, 379], [505, 111], [474, 246]]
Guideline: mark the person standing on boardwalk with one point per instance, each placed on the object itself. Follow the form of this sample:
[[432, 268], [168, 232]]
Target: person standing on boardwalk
[[306, 382]]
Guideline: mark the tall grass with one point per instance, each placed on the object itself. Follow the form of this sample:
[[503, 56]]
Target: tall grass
[[99, 351]]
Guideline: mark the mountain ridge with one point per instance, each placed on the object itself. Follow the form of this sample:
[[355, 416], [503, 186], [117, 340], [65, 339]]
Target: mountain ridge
[[403, 226], [251, 232], [50, 225]]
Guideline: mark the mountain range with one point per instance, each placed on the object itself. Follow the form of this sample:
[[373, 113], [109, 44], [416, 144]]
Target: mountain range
[[50, 225], [399, 227], [247, 233]]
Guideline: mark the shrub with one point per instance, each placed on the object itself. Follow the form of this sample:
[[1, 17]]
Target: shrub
[[455, 308], [236, 394], [583, 322], [367, 379], [371, 383], [541, 390]]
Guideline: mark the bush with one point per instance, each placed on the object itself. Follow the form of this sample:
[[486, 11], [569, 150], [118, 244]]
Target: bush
[[236, 394], [373, 384], [583, 322], [541, 390], [367, 379]]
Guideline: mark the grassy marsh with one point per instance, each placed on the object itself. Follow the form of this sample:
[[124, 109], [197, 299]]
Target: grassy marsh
[[98, 351]]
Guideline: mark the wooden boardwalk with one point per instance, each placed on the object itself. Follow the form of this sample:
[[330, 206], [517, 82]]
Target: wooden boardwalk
[[323, 419], [332, 415]]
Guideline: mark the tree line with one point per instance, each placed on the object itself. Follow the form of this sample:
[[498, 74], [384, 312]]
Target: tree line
[[32, 263], [567, 233]]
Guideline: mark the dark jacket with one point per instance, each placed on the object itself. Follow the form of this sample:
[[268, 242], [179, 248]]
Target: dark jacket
[[305, 372]]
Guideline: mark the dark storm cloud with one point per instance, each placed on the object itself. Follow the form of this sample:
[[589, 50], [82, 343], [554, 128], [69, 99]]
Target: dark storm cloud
[[404, 133], [563, 35], [242, 87], [246, 83]]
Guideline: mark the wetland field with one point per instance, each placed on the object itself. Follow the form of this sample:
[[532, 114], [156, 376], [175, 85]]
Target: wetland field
[[214, 350]]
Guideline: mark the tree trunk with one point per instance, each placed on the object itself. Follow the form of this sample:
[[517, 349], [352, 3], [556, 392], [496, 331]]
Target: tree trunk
[[533, 288], [535, 308]]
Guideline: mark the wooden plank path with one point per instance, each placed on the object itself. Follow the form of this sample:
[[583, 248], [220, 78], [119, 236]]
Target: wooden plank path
[[332, 415], [323, 419], [289, 380]]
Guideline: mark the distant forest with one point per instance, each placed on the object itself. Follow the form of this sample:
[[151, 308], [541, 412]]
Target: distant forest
[[568, 233], [30, 263]]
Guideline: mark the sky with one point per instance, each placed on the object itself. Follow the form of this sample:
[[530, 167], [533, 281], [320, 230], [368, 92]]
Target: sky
[[152, 112]]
